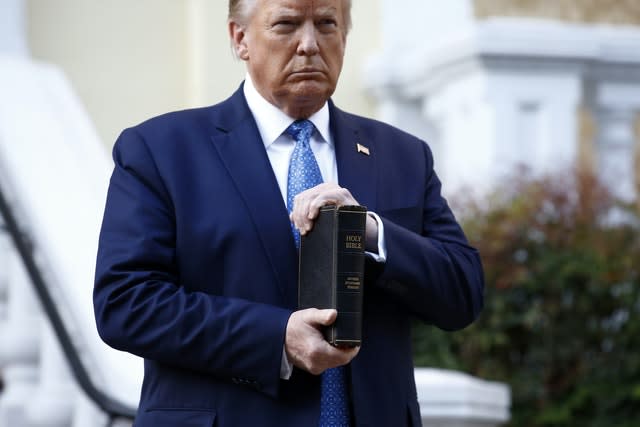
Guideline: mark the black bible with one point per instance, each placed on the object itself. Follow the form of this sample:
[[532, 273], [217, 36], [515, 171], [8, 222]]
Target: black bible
[[331, 270]]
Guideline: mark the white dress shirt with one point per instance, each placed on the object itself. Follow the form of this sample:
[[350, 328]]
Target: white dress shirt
[[272, 123]]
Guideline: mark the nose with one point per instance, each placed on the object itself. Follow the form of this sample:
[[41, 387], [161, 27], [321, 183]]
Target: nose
[[308, 44]]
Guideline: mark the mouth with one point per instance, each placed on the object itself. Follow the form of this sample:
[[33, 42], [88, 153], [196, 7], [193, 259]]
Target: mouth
[[307, 73]]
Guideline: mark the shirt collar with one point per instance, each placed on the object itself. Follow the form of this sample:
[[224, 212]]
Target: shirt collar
[[272, 122]]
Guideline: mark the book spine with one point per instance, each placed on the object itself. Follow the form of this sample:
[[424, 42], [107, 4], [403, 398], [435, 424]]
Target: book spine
[[349, 276]]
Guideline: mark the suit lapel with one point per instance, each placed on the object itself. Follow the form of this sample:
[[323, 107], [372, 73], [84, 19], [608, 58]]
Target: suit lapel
[[357, 170], [241, 150], [243, 154]]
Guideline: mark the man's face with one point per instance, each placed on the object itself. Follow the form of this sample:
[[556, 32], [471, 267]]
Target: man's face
[[294, 51]]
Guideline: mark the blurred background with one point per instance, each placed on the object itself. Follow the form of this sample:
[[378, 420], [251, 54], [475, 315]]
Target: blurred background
[[532, 109]]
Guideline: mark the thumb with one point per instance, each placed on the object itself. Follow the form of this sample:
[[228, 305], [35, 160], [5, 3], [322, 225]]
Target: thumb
[[323, 317]]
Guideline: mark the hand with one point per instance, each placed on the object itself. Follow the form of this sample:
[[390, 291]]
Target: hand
[[307, 204], [306, 347]]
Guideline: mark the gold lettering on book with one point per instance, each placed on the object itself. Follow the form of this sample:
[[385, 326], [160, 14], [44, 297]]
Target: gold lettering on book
[[352, 283], [353, 241]]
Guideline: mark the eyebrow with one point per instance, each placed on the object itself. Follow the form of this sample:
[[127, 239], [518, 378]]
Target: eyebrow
[[290, 11], [327, 11]]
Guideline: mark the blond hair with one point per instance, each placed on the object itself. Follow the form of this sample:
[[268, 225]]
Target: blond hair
[[240, 11]]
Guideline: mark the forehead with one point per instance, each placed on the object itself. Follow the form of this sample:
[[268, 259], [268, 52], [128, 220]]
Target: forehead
[[298, 6]]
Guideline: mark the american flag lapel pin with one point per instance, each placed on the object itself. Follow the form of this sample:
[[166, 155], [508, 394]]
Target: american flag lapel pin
[[362, 149]]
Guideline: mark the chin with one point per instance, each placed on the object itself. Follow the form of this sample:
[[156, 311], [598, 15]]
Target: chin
[[304, 98], [311, 91]]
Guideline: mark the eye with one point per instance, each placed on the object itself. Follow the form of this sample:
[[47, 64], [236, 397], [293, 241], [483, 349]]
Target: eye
[[284, 25], [328, 24]]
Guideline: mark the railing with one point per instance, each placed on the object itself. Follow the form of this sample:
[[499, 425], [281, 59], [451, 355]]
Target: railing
[[112, 407], [54, 173]]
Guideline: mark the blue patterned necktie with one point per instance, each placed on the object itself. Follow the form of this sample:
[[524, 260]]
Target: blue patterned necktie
[[304, 173]]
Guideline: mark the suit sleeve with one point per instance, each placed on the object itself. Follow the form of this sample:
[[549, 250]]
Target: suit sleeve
[[142, 308], [433, 270]]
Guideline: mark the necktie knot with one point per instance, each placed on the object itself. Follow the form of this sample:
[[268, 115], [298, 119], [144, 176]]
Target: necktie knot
[[300, 130]]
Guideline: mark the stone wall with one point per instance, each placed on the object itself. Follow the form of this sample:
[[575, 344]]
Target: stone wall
[[587, 11]]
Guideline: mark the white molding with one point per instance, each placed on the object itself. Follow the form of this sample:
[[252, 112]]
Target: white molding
[[449, 396], [435, 61]]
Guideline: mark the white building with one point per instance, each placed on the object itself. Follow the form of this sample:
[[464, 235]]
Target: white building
[[491, 92]]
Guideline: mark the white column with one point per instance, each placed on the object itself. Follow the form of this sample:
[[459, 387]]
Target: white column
[[52, 403], [466, 133], [535, 118], [208, 53], [406, 114], [615, 150], [13, 28], [18, 346]]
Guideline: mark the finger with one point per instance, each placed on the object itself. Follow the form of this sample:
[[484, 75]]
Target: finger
[[320, 196], [303, 219], [328, 316], [349, 354], [321, 200], [299, 212], [338, 356], [321, 317], [308, 207]]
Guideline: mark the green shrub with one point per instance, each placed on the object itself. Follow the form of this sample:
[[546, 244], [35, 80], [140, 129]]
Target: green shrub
[[561, 323]]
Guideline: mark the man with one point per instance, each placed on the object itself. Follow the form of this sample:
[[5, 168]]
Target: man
[[197, 263]]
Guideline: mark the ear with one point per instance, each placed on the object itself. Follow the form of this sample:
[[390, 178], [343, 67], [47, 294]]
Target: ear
[[238, 38]]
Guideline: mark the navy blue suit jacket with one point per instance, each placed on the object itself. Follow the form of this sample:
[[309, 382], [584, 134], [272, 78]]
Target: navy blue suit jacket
[[197, 269]]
